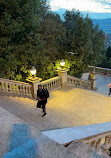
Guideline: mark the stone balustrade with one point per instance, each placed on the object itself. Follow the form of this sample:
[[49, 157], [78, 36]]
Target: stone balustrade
[[52, 84], [100, 70], [15, 87], [102, 142], [73, 81]]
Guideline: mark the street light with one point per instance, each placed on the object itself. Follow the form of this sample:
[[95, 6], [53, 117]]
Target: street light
[[33, 71], [62, 63]]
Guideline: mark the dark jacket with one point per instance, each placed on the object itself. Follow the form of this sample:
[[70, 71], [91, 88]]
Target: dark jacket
[[42, 95]]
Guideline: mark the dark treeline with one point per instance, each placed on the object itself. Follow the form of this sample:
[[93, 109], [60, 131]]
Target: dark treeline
[[106, 58], [33, 35]]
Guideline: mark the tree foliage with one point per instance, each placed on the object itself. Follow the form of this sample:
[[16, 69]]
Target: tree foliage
[[84, 39], [108, 53], [20, 42], [33, 35], [106, 58]]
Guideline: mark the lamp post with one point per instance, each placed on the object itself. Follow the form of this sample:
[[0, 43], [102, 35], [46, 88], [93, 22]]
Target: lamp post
[[34, 81], [93, 79], [62, 63], [62, 72], [33, 71]]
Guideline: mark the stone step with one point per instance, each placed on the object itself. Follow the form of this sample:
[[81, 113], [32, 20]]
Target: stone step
[[21, 133], [27, 150]]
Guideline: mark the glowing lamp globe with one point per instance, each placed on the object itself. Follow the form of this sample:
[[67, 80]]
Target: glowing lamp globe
[[62, 63], [33, 71]]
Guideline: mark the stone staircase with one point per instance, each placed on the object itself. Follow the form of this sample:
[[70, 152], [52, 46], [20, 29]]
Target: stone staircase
[[24, 142], [18, 139], [27, 150], [21, 143]]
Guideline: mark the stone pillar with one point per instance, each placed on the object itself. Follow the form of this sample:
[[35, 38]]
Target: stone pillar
[[34, 82], [93, 84], [63, 75], [93, 80]]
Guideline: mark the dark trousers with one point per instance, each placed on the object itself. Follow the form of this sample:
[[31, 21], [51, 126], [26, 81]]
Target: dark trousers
[[41, 105], [109, 91]]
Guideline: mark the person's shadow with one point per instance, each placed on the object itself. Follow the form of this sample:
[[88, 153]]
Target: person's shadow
[[21, 143]]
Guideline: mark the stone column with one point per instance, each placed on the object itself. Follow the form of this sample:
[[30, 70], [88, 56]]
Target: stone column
[[34, 82], [63, 75], [93, 84], [93, 80]]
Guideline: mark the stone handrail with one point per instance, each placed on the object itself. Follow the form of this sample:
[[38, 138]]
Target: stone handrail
[[15, 87], [100, 70], [73, 81], [102, 142], [52, 84]]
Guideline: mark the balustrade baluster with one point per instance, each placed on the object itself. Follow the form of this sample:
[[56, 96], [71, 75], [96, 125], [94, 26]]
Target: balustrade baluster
[[73, 82], [27, 90], [105, 146], [59, 83], [47, 86], [14, 91], [50, 85], [3, 88], [30, 91], [93, 143], [98, 144], [56, 83], [6, 84], [18, 89], [0, 86], [23, 89], [10, 87], [110, 140]]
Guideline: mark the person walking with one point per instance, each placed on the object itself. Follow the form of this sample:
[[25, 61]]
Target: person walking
[[109, 85], [42, 99], [105, 73]]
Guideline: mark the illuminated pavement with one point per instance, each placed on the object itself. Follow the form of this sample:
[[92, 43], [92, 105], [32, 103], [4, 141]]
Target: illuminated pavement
[[68, 107], [102, 82]]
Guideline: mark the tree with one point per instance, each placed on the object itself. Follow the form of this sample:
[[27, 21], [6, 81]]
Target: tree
[[108, 53], [32, 35], [53, 33], [84, 39], [20, 41]]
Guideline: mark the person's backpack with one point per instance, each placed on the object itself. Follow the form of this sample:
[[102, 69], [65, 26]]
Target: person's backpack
[[46, 92]]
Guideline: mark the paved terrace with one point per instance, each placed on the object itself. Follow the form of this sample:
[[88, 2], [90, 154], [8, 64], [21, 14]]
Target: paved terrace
[[102, 82], [66, 107]]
